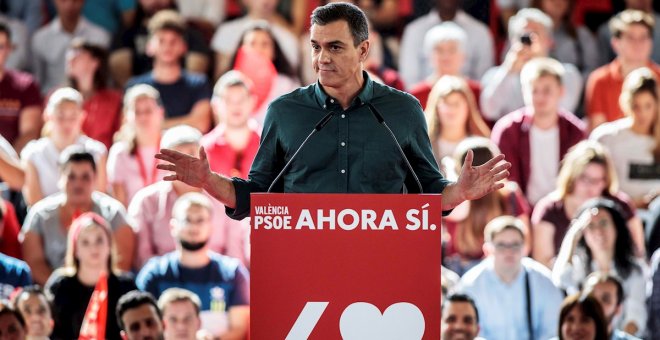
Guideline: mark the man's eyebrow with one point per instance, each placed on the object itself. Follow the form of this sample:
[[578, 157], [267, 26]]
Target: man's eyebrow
[[334, 42]]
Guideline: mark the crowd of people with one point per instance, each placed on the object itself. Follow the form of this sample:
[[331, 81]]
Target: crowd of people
[[96, 243]]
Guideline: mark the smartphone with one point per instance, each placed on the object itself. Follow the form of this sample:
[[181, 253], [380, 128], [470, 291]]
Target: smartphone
[[526, 39]]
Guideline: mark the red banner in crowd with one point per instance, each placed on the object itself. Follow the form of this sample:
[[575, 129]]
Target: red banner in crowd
[[93, 325], [351, 266]]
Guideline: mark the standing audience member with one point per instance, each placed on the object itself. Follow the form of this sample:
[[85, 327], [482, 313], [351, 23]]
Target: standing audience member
[[587, 172], [87, 69], [49, 44], [460, 318], [47, 225], [64, 116], [185, 94], [536, 137], [632, 40], [12, 324], [221, 282], [131, 162], [180, 308], [33, 305], [530, 37], [20, 100], [414, 65], [514, 295], [607, 289], [634, 141], [581, 318], [151, 209], [89, 271], [138, 316], [599, 240]]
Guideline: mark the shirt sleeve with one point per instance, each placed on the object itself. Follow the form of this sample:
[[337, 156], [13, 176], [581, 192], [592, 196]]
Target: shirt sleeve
[[572, 81], [241, 295], [634, 307], [498, 86], [145, 280], [142, 226]]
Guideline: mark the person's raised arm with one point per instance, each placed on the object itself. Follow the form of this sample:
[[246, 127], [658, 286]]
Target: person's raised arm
[[196, 172]]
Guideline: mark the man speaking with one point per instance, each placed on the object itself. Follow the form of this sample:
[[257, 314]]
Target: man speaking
[[334, 136]]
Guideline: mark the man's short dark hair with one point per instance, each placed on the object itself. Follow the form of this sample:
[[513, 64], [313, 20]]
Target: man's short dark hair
[[76, 154], [461, 298], [4, 28], [134, 299], [167, 20], [353, 15]]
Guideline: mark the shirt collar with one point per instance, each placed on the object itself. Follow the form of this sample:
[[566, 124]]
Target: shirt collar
[[365, 95]]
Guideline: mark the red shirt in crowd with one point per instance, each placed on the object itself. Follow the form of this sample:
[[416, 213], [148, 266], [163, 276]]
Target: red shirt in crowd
[[9, 244], [422, 90], [226, 160], [18, 90], [103, 115]]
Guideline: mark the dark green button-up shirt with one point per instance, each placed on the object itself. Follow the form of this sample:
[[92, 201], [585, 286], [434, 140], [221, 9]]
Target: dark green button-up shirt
[[353, 153]]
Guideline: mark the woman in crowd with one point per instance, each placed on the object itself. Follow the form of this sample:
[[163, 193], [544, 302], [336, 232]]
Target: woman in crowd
[[31, 302], [452, 115], [259, 41], [12, 324], [634, 141], [587, 172], [599, 240], [64, 118], [581, 318], [131, 162], [87, 69], [465, 225], [88, 275]]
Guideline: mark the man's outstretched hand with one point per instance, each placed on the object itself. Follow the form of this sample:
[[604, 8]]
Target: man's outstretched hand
[[188, 169]]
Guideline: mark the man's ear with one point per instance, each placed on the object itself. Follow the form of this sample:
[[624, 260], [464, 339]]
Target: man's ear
[[487, 248], [364, 50]]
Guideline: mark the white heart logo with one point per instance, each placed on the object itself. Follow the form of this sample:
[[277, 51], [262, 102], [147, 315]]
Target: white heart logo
[[363, 321]]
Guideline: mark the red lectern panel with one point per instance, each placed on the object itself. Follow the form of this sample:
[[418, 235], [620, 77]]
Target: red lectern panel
[[351, 266]]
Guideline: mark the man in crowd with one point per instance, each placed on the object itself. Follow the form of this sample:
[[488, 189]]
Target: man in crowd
[[460, 318], [608, 290], [138, 316], [180, 309]]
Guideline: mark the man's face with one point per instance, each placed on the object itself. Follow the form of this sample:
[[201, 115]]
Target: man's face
[[447, 58], [79, 179], [195, 228], [234, 106], [167, 46], [180, 321], [5, 49], [459, 321], [142, 323], [507, 249], [605, 293], [544, 94], [335, 59], [634, 45], [69, 9]]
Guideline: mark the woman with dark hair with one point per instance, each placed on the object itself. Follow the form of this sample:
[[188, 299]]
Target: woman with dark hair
[[599, 240], [581, 318], [87, 70], [87, 282], [259, 41], [12, 324]]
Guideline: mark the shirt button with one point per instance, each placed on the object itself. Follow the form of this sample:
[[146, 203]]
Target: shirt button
[[343, 115], [332, 101], [343, 144], [324, 106], [343, 171]]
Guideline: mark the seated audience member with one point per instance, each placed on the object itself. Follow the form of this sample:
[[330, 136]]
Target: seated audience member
[[231, 146], [258, 44], [452, 115], [88, 74], [445, 46], [20, 100], [514, 295], [89, 270], [634, 141], [530, 37], [654, 295], [221, 282], [151, 209], [64, 116], [573, 44], [46, 226], [227, 37], [460, 318], [131, 162], [112, 15], [599, 240], [536, 137], [466, 224], [33, 305], [632, 34], [605, 31], [12, 324], [138, 316], [180, 309], [49, 43], [131, 56], [19, 59], [607, 289], [9, 230], [414, 65], [587, 172], [14, 273], [581, 318], [27, 11], [185, 95]]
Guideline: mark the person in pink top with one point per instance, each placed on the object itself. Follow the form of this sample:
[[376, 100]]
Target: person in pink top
[[131, 162], [233, 143], [151, 209]]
